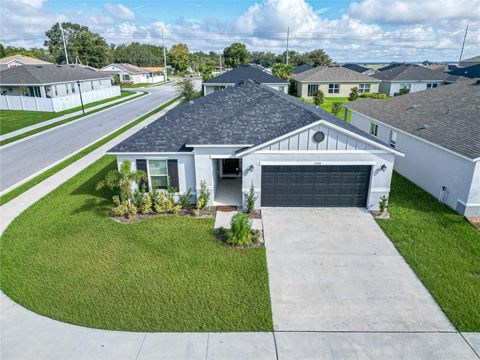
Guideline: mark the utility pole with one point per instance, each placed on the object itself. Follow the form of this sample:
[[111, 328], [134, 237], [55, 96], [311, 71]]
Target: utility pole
[[64, 43], [463, 45], [288, 35], [164, 58], [220, 61]]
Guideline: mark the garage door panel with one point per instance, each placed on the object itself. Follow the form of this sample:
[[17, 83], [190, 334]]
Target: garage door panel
[[309, 186]]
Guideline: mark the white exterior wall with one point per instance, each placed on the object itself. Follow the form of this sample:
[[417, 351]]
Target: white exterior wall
[[60, 103], [391, 88], [432, 167], [147, 77]]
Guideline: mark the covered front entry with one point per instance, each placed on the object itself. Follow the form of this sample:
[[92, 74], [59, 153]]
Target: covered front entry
[[228, 188], [315, 186]]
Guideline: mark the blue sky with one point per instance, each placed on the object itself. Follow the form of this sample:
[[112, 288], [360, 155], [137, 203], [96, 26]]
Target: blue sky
[[360, 30]]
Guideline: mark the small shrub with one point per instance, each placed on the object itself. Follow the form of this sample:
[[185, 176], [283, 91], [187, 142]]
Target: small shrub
[[204, 196], [171, 191], [353, 94], [196, 212], [383, 204], [373, 96], [240, 232], [250, 199], [404, 91], [131, 211], [176, 208], [146, 207], [336, 107], [120, 210], [292, 87], [184, 199], [155, 197], [318, 98], [137, 198]]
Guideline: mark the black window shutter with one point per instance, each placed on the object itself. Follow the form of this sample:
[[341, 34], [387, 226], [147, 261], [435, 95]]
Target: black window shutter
[[173, 173], [142, 165]]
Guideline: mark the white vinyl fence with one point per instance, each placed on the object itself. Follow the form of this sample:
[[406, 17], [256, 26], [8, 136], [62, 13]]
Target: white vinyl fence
[[11, 102]]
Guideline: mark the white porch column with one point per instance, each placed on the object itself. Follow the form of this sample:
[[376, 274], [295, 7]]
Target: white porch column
[[43, 93]]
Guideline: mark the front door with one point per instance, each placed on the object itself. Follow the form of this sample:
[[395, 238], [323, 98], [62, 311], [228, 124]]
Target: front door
[[231, 168]]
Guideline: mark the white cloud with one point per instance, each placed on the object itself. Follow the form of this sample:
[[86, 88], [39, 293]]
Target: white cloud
[[120, 11], [414, 11]]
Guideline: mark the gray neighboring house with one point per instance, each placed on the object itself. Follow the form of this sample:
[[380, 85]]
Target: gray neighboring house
[[470, 61], [291, 152], [360, 69], [438, 130], [410, 76], [52, 87], [243, 73]]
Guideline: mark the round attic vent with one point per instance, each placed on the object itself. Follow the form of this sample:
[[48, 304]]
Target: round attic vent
[[318, 137]]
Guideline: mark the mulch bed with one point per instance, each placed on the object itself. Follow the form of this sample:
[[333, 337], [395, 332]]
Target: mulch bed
[[204, 213], [475, 221], [257, 234]]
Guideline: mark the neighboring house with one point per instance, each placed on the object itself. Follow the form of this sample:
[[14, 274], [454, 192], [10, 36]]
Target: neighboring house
[[410, 76], [470, 61], [301, 68], [471, 72], [439, 132], [360, 69], [333, 81], [131, 74], [52, 87], [18, 60], [240, 74], [291, 152]]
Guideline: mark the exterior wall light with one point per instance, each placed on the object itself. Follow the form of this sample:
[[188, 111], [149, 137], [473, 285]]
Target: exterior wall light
[[383, 168], [250, 168]]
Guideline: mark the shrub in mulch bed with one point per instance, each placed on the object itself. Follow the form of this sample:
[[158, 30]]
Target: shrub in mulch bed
[[257, 238], [192, 212]]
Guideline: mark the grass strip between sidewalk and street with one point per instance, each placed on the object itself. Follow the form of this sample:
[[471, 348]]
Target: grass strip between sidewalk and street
[[58, 123], [53, 170]]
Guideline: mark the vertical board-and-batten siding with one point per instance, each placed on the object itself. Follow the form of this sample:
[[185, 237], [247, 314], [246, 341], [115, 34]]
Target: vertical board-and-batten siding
[[334, 140]]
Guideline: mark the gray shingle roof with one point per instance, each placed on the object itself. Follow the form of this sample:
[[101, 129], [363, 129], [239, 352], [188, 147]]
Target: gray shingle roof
[[451, 113], [24, 59], [356, 67], [301, 68], [469, 71], [333, 73], [247, 114], [404, 72], [473, 59], [245, 72], [47, 74]]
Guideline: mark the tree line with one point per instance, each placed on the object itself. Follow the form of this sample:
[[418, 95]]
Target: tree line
[[92, 49]]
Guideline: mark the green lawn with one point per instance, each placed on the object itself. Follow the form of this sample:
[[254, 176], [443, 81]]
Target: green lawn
[[66, 259], [11, 120], [328, 103], [442, 247]]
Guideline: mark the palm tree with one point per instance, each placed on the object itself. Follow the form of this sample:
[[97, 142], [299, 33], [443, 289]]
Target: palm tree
[[122, 180]]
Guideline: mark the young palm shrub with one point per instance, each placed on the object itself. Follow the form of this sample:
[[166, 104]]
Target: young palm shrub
[[240, 232], [122, 180], [185, 199]]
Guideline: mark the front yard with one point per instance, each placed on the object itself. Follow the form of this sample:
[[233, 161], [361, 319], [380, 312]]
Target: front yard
[[328, 103], [12, 120], [442, 247], [66, 258]]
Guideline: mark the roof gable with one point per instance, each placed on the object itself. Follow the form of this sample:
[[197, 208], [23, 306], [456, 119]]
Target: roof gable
[[245, 72], [404, 72], [23, 59]]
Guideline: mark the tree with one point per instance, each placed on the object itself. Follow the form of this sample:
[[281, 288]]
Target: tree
[[180, 57], [353, 94], [292, 87], [282, 71], [122, 180], [318, 97], [137, 54], [336, 107], [187, 90], [294, 58], [236, 54], [316, 58], [266, 59], [89, 47], [404, 91]]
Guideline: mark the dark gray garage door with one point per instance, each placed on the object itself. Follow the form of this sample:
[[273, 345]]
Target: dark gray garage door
[[315, 185]]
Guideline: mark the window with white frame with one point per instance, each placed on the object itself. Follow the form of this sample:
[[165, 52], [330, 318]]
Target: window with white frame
[[73, 88], [218, 87], [333, 88], [431, 85], [281, 88], [363, 88], [312, 89], [373, 129], [393, 138], [56, 90], [405, 86], [91, 84], [158, 174], [67, 87]]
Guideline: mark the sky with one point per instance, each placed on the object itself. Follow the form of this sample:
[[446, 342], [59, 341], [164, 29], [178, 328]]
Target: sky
[[350, 31]]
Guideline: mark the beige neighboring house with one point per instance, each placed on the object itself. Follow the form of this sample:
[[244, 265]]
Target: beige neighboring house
[[470, 61], [131, 74], [19, 60], [333, 81]]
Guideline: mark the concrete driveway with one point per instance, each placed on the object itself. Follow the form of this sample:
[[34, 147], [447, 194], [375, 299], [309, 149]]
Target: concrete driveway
[[333, 269]]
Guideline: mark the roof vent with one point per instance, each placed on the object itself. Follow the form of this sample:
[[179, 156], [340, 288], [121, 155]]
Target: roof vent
[[425, 126], [191, 102]]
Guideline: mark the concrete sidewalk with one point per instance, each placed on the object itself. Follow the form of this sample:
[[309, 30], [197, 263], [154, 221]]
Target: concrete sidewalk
[[66, 116]]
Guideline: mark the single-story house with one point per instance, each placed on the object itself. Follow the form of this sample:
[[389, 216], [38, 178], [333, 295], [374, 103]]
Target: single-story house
[[470, 61], [410, 76], [52, 87], [334, 81], [242, 73], [438, 130], [18, 60], [301, 68], [131, 74], [360, 69], [291, 152]]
